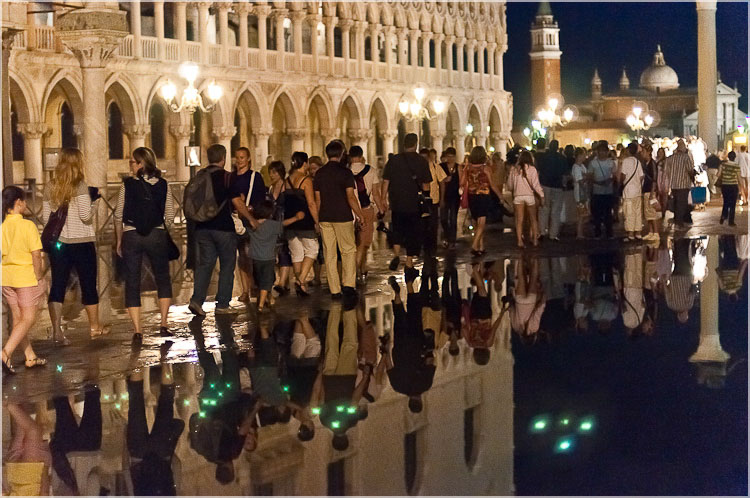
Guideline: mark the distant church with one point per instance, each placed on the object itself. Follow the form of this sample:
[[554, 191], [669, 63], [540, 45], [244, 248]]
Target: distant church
[[603, 115]]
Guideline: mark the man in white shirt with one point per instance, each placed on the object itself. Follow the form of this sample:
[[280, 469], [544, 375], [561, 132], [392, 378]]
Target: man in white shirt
[[743, 159], [601, 169], [631, 177], [367, 188]]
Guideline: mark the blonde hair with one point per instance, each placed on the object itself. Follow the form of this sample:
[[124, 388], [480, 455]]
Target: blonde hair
[[68, 174]]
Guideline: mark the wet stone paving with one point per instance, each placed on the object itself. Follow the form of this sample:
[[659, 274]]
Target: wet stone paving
[[580, 367]]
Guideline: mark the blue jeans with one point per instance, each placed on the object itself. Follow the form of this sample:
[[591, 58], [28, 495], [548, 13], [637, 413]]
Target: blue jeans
[[550, 214], [210, 245]]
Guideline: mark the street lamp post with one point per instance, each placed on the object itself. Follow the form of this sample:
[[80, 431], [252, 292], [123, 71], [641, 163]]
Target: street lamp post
[[191, 99], [641, 119], [555, 113], [415, 111]]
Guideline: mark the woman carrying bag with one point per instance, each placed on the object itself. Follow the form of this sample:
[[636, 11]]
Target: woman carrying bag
[[144, 213]]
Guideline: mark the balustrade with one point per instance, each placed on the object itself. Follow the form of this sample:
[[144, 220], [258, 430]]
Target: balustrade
[[172, 49], [234, 56], [194, 51], [126, 47], [149, 48], [214, 55], [44, 37]]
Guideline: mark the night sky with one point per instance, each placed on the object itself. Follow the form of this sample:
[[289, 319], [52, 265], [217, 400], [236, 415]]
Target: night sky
[[610, 35]]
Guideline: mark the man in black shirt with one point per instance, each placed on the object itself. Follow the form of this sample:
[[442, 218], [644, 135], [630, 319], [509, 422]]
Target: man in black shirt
[[334, 194], [451, 199], [712, 169], [214, 239], [406, 176], [552, 168]]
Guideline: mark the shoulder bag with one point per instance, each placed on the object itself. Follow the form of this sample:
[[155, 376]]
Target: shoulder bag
[[53, 228], [239, 227], [173, 252]]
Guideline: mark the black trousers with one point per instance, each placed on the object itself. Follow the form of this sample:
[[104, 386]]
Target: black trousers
[[431, 224], [153, 245], [165, 433], [601, 213], [729, 195], [63, 259], [449, 220], [681, 207]]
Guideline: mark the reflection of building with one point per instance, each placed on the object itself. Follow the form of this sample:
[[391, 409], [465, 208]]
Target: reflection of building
[[294, 74], [603, 115]]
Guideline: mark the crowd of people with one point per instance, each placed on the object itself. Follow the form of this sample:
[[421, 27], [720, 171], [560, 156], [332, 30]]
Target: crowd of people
[[278, 228]]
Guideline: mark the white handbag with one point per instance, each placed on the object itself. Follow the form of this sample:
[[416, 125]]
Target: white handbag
[[239, 227]]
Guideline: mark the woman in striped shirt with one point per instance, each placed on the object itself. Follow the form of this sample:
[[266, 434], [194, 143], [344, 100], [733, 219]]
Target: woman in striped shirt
[[75, 247], [729, 173]]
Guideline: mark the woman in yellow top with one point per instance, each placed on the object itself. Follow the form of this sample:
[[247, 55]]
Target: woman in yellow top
[[22, 276]]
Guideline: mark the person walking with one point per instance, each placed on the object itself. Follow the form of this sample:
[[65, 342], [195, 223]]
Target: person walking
[[431, 222], [406, 180], [215, 238], [478, 180], [301, 235], [729, 179], [649, 191], [75, 247], [276, 194], [334, 194], [552, 167], [241, 181], [451, 198], [22, 276], [528, 194], [662, 181], [743, 160], [601, 171], [713, 161], [143, 216], [580, 190], [679, 167], [368, 186], [631, 179]]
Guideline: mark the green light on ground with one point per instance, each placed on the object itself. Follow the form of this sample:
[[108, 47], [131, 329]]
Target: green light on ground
[[340, 408], [586, 426], [565, 421], [540, 425], [316, 411], [335, 424], [186, 402], [202, 414], [286, 389], [117, 406], [564, 444], [59, 368], [351, 409]]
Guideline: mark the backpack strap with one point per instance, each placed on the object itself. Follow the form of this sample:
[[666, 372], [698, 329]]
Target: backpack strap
[[250, 190]]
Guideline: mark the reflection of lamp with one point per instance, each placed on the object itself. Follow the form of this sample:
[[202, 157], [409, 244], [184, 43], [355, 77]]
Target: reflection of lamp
[[192, 156], [191, 98], [640, 118]]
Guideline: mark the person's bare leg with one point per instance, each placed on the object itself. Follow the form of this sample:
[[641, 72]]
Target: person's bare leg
[[519, 224], [55, 316], [532, 215], [304, 271], [245, 282], [284, 276], [135, 317], [262, 298], [92, 310], [164, 304], [22, 323]]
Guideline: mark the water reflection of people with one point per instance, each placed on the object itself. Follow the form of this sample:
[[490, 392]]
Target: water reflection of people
[[27, 460], [527, 299], [680, 291], [300, 371], [480, 335], [731, 269], [336, 392], [452, 305], [413, 362], [70, 436], [632, 300], [604, 297]]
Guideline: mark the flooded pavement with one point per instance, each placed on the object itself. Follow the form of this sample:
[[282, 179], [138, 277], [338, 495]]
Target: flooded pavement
[[590, 369]]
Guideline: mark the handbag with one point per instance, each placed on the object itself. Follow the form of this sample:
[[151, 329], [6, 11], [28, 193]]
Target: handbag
[[173, 252], [239, 227], [53, 228]]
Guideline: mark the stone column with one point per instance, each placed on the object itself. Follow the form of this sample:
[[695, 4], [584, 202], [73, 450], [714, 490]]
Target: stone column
[[449, 41], [203, 30], [181, 134], [8, 36], [159, 26], [709, 346], [439, 57], [470, 52], [482, 136], [181, 28], [480, 66], [413, 47], [135, 26], [426, 37], [298, 138], [502, 144], [460, 137], [279, 15], [314, 20], [389, 33], [359, 49], [375, 30], [491, 49], [330, 22], [403, 52], [360, 137], [298, 17], [224, 136], [262, 11], [329, 134], [261, 147], [437, 141], [707, 72], [93, 48], [224, 32], [388, 146], [345, 25], [32, 150], [242, 10], [460, 42], [137, 136]]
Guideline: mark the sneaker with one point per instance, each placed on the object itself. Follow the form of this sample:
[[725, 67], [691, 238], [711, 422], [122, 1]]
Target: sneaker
[[393, 265], [226, 310], [196, 309]]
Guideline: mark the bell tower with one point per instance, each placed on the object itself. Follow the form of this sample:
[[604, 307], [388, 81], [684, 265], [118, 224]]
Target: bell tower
[[545, 56]]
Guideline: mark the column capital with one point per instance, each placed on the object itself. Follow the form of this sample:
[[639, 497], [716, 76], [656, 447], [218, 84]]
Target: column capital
[[402, 33], [376, 28], [450, 38], [137, 131], [389, 29], [181, 132], [263, 133], [360, 26], [492, 46], [297, 133], [359, 134], [427, 35], [223, 5], [389, 134], [298, 15], [329, 134], [243, 8], [262, 10], [204, 5], [471, 43], [460, 41], [345, 24], [224, 132], [92, 34], [705, 5], [439, 37], [495, 136], [329, 20], [415, 32], [439, 134], [33, 130], [482, 44], [313, 19]]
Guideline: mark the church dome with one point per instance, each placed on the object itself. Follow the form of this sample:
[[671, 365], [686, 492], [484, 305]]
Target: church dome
[[658, 76]]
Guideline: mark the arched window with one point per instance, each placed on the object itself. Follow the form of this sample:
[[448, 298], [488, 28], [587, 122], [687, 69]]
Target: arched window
[[337, 45], [368, 48], [476, 61], [67, 128], [485, 54], [309, 38], [432, 54], [455, 57], [17, 139], [235, 144], [381, 47], [158, 137], [114, 131], [466, 59]]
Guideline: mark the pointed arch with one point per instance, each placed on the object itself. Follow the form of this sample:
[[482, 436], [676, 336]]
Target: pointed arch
[[495, 119], [379, 112], [351, 105], [321, 101], [119, 87], [291, 112], [23, 98], [69, 85], [252, 99]]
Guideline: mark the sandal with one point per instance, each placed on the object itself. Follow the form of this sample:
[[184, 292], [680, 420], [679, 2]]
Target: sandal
[[137, 338], [100, 331], [35, 362], [7, 366]]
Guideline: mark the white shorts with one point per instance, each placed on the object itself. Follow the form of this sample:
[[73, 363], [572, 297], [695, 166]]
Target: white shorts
[[529, 200], [301, 248]]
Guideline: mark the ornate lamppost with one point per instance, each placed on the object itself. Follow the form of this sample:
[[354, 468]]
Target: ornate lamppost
[[555, 114], [641, 119], [415, 111]]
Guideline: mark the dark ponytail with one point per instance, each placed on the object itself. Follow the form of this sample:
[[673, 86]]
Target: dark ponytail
[[11, 194], [147, 159], [298, 159]]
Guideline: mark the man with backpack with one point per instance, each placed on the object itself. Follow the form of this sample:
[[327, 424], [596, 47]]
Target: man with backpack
[[208, 206], [368, 185]]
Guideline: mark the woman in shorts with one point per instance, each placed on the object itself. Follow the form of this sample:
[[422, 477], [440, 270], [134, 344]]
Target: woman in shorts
[[479, 181], [523, 181], [22, 277]]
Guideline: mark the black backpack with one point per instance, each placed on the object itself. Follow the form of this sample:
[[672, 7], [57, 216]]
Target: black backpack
[[198, 202], [359, 179]]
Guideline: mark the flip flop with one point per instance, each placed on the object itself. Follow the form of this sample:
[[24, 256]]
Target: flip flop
[[35, 362]]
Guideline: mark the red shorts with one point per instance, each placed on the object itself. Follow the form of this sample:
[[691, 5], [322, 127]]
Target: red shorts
[[24, 297]]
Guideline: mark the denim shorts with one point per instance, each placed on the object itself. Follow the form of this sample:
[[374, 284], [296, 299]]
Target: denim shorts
[[264, 274]]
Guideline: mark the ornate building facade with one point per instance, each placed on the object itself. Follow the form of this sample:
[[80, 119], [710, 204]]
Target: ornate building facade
[[294, 75]]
